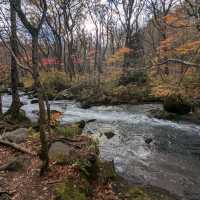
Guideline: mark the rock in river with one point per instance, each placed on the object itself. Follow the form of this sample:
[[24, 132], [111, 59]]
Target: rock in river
[[148, 140], [34, 101], [176, 104]]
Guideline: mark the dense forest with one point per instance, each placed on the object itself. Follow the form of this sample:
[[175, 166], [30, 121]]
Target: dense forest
[[99, 99]]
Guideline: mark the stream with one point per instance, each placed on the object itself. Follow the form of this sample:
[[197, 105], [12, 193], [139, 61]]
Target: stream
[[171, 161]]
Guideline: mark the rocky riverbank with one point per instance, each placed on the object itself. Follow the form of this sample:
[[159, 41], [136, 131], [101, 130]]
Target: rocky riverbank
[[76, 172]]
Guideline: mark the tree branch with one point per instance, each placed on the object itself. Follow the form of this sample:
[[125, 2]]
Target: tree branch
[[178, 61]]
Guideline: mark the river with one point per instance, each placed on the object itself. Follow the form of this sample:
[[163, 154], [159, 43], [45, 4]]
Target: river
[[171, 161]]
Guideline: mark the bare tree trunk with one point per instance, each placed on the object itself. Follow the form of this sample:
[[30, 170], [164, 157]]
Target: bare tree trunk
[[70, 60], [34, 31], [15, 106], [42, 112], [1, 106]]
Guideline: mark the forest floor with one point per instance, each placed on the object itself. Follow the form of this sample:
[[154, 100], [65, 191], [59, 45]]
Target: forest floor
[[71, 180]]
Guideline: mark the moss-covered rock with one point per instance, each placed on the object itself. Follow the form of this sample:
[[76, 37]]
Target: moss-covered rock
[[176, 104], [21, 118]]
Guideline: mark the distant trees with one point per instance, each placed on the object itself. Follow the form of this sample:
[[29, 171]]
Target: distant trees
[[129, 13]]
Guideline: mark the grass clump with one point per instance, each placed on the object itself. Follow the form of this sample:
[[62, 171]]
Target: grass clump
[[70, 131], [68, 191]]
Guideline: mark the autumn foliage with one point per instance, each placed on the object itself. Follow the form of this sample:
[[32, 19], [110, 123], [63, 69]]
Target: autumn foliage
[[181, 42]]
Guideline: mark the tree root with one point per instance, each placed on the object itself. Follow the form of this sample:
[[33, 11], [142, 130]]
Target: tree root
[[16, 147]]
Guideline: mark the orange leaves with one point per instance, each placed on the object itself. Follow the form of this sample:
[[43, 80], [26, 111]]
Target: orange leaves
[[55, 117], [177, 19], [166, 44], [170, 19]]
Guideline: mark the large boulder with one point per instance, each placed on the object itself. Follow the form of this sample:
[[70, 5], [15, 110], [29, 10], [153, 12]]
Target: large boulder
[[60, 151], [16, 164], [176, 104], [18, 136]]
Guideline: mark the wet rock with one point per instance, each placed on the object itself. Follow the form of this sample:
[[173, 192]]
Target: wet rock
[[109, 134], [59, 151], [15, 164], [34, 101], [81, 124], [176, 104], [86, 105], [148, 140], [91, 120], [18, 136]]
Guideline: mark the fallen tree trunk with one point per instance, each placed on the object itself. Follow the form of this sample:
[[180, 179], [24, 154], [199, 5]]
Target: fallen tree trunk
[[16, 147]]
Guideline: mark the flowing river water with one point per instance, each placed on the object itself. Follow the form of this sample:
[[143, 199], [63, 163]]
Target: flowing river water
[[171, 161]]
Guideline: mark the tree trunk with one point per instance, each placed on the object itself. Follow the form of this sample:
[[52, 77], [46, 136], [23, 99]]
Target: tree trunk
[[1, 106], [15, 106], [42, 112], [70, 61]]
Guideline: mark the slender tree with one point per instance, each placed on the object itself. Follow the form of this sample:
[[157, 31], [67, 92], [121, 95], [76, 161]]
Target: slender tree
[[15, 106], [34, 31]]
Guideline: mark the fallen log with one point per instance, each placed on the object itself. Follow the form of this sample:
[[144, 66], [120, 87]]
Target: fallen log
[[16, 147]]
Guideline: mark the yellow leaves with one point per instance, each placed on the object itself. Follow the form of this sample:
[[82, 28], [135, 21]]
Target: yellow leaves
[[189, 47], [119, 55]]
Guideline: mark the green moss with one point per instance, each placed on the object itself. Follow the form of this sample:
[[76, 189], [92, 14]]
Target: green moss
[[20, 118], [93, 146], [137, 194], [142, 193], [61, 159], [68, 191], [68, 131], [107, 171], [88, 169]]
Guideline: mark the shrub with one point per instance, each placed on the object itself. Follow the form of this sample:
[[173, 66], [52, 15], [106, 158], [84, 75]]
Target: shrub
[[56, 81], [68, 191], [133, 77]]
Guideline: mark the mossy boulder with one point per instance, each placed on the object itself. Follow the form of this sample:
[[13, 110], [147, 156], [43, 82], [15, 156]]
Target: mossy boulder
[[17, 136], [176, 104], [60, 152]]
